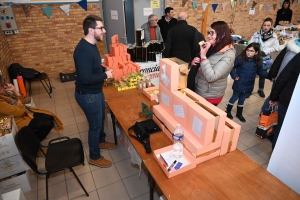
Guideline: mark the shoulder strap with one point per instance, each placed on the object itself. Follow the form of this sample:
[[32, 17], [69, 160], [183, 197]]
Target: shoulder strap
[[145, 144]]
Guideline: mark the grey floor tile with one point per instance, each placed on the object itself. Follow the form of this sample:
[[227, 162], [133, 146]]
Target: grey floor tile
[[116, 190], [119, 153], [257, 158], [136, 186], [126, 169], [241, 146], [92, 196], [56, 192], [105, 176], [249, 140]]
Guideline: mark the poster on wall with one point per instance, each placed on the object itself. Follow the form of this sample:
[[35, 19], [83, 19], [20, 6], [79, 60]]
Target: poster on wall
[[114, 14], [155, 4], [148, 11]]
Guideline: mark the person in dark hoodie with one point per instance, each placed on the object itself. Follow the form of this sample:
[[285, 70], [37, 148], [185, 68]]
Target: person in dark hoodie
[[285, 13], [166, 22]]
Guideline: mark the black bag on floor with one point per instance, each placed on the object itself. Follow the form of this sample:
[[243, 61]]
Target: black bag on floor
[[142, 132]]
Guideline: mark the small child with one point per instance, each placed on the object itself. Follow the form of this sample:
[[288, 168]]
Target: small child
[[246, 66]]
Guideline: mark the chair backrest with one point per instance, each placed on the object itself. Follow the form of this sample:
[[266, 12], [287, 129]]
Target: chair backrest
[[14, 70], [28, 144]]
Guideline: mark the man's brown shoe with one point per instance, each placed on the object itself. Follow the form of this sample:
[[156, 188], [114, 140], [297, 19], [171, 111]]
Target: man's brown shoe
[[107, 145], [101, 162]]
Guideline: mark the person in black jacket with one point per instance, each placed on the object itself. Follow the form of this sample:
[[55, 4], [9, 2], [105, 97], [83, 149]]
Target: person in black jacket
[[166, 22], [283, 89], [182, 40], [285, 13]]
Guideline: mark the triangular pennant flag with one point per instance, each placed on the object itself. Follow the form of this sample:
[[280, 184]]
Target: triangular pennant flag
[[260, 6], [224, 6], [214, 6], [172, 1], [66, 9], [254, 4], [281, 3], [83, 4], [47, 11], [241, 2], [184, 2], [274, 6], [268, 7], [293, 1], [232, 4], [26, 9], [298, 1], [247, 2], [204, 5], [194, 4]]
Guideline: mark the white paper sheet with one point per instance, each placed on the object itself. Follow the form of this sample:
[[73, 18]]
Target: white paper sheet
[[197, 126], [179, 111], [252, 11], [114, 14]]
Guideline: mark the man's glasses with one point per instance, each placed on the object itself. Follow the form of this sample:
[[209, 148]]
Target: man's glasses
[[210, 33], [101, 28], [249, 50]]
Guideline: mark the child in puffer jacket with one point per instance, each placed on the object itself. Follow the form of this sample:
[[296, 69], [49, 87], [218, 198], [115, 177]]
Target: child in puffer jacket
[[246, 66]]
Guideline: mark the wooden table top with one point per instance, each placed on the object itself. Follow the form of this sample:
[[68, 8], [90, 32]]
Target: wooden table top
[[110, 92], [231, 176]]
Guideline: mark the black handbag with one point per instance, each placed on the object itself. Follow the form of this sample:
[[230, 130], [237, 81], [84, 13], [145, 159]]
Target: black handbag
[[142, 132]]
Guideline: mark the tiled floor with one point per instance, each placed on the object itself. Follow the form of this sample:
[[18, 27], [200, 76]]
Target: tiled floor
[[121, 180]]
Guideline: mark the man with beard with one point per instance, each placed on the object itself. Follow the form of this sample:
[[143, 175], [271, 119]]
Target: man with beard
[[88, 87]]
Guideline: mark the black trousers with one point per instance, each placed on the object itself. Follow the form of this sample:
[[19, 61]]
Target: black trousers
[[41, 125]]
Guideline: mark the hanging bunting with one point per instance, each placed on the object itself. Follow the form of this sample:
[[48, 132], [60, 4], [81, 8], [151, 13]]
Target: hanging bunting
[[172, 1], [204, 5], [232, 3], [247, 2], [224, 6], [298, 1], [47, 11], [253, 4], [27, 9], [260, 6], [293, 1], [66, 9], [214, 6], [241, 2], [194, 4], [281, 3], [274, 6], [184, 2], [268, 7], [83, 4]]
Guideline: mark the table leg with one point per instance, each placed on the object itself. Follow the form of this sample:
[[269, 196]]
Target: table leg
[[152, 185], [113, 119]]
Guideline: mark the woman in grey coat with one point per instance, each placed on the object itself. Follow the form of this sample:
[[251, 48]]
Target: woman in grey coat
[[216, 61]]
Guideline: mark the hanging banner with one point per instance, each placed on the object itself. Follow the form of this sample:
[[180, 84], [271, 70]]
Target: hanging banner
[[204, 5], [274, 6], [247, 2], [66, 9], [214, 6], [268, 7], [47, 11], [194, 4], [83, 4], [155, 4], [260, 6], [27, 9], [224, 6], [253, 4], [241, 2], [293, 1], [184, 2], [232, 2], [281, 3]]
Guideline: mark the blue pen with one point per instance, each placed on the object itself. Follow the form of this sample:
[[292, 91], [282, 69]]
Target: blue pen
[[164, 160]]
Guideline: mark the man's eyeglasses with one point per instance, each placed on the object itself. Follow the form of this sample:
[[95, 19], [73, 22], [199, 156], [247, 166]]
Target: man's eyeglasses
[[210, 33], [101, 28], [252, 51]]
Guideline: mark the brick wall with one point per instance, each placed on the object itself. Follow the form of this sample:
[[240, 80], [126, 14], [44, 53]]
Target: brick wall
[[243, 23], [47, 45], [5, 55]]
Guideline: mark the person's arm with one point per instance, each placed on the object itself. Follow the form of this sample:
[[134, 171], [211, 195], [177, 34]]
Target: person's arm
[[160, 38], [262, 73], [290, 15], [84, 68], [277, 17], [8, 109], [233, 73], [220, 69], [168, 44], [271, 47], [196, 49], [276, 64]]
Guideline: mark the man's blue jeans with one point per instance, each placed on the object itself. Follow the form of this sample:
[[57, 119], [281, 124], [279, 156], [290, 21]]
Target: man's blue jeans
[[238, 95], [93, 106]]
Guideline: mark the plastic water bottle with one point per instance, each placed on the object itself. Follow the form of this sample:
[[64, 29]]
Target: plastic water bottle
[[177, 145]]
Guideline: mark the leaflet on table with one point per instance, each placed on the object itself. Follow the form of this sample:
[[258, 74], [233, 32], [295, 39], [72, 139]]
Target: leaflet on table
[[170, 160]]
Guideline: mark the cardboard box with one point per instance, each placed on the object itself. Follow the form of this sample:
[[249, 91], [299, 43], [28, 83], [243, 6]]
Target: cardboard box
[[219, 114], [152, 96], [189, 162], [15, 194], [159, 123], [231, 136], [183, 72], [159, 112], [19, 181], [169, 73], [8, 146], [12, 165], [165, 98], [207, 156], [180, 107]]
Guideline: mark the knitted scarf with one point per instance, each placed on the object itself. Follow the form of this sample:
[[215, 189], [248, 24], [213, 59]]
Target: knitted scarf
[[9, 98], [267, 35]]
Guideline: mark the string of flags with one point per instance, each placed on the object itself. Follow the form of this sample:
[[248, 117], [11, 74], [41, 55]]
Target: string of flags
[[232, 3], [48, 10]]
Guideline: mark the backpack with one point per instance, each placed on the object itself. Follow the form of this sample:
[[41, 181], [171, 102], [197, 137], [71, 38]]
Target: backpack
[[16, 69]]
